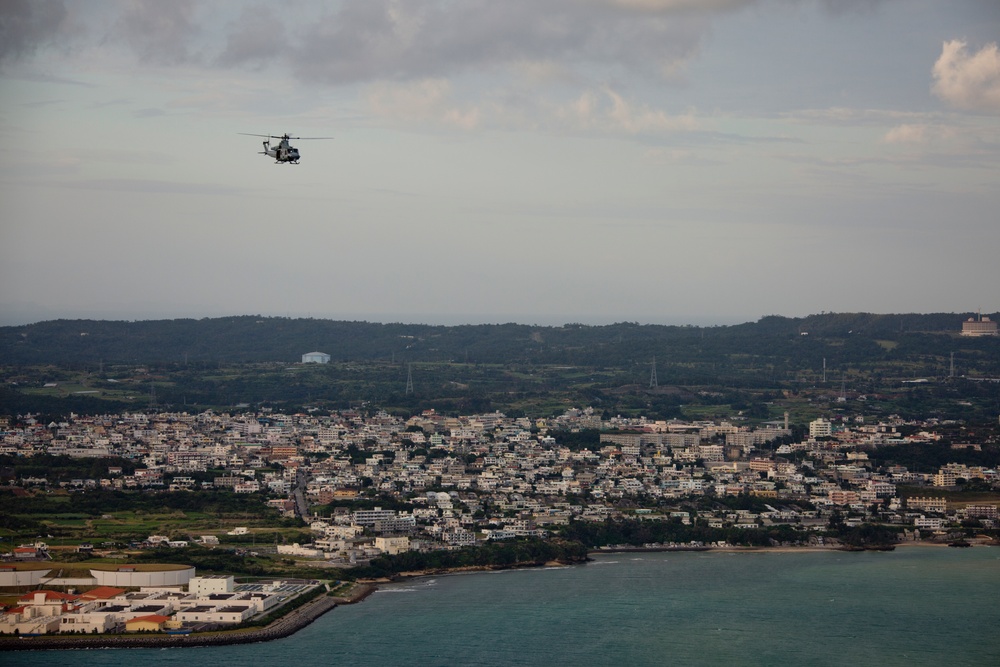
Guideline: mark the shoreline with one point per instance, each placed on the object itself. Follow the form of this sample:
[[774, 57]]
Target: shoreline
[[443, 571], [786, 549], [299, 618]]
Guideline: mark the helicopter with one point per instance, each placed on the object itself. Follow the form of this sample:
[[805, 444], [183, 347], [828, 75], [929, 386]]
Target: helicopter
[[284, 151]]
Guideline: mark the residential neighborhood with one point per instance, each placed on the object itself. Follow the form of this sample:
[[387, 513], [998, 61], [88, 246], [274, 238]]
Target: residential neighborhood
[[443, 482]]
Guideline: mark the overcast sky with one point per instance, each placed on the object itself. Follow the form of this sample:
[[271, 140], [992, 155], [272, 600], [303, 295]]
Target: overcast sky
[[535, 161]]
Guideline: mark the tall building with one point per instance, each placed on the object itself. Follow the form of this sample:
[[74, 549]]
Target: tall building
[[820, 428]]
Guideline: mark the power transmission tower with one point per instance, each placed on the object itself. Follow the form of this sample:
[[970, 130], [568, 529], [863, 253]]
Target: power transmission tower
[[409, 379], [652, 375]]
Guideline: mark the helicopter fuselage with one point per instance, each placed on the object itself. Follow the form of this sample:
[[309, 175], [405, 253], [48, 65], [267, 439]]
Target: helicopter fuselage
[[283, 152]]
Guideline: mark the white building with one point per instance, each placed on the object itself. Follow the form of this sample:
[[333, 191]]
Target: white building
[[315, 358], [298, 550], [209, 584], [392, 545], [981, 327], [820, 428], [928, 522]]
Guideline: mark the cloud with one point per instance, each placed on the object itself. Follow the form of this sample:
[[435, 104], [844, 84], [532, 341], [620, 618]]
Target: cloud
[[362, 41], [26, 25], [906, 134], [600, 109], [421, 101], [159, 32], [932, 132], [255, 38], [367, 40], [682, 5], [840, 7], [608, 110], [968, 81]]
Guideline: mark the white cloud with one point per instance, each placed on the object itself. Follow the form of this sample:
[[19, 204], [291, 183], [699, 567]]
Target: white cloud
[[614, 112], [848, 117], [936, 131], [421, 101], [597, 109], [969, 81], [906, 134]]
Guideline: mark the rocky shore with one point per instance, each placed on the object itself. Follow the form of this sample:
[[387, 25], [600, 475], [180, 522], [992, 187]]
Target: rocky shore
[[411, 574]]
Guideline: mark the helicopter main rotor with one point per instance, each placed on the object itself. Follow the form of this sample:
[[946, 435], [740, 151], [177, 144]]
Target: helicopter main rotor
[[286, 137]]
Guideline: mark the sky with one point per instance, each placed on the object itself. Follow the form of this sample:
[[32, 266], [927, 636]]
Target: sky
[[532, 161]]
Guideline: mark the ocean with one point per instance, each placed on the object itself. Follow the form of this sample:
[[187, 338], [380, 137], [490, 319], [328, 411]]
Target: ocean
[[911, 606]]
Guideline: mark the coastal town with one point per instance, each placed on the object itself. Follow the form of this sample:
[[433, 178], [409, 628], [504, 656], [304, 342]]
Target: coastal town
[[373, 485], [489, 476]]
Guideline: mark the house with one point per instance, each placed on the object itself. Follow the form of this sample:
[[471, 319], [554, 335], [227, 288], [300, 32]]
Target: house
[[315, 358], [392, 545], [149, 623]]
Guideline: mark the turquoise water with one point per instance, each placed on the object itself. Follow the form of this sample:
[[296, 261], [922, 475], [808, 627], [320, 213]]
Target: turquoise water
[[912, 606]]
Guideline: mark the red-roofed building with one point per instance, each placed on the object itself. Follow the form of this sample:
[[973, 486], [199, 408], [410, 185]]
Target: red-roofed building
[[27, 553], [101, 593], [150, 623]]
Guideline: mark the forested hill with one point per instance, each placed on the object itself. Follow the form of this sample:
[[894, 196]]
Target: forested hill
[[838, 336]]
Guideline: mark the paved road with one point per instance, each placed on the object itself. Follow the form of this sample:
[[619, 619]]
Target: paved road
[[301, 509]]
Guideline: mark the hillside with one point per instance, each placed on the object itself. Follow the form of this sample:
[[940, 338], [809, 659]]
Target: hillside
[[886, 364], [841, 338]]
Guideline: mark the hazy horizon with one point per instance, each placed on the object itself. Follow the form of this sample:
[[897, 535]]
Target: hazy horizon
[[455, 319], [450, 319]]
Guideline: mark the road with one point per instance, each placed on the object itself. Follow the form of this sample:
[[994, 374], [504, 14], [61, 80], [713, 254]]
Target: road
[[299, 494]]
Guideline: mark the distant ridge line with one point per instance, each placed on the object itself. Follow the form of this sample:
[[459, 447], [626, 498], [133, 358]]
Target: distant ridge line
[[255, 338]]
